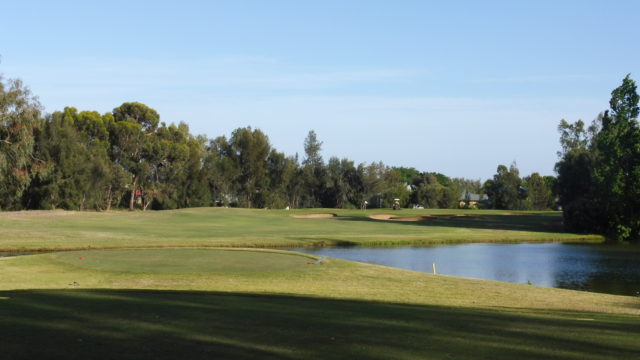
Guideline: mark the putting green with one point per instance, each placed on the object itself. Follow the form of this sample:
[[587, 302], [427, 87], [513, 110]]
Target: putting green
[[183, 261]]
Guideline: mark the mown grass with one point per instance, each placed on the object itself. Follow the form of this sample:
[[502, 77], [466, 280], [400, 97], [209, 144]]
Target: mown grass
[[269, 228], [185, 261], [60, 306], [142, 324], [197, 303]]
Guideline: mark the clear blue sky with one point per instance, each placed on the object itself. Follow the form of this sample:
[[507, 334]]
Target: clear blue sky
[[456, 87]]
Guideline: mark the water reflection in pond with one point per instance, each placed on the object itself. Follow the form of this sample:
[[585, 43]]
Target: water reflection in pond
[[590, 267]]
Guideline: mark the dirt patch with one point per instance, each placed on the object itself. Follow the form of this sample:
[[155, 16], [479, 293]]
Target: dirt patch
[[314, 216]]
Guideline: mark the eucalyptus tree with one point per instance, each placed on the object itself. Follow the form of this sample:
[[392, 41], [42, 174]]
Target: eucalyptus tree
[[576, 184], [539, 192], [372, 183], [505, 190], [80, 174], [130, 135], [19, 116], [221, 171], [249, 151], [342, 183], [195, 187], [283, 186], [167, 152], [394, 188], [68, 182]]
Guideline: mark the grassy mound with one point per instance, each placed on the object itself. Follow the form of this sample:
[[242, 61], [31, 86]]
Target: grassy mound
[[185, 261]]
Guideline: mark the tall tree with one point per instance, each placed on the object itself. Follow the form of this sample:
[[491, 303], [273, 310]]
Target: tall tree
[[249, 150], [599, 170], [576, 185], [283, 187], [539, 192], [505, 190], [342, 183], [372, 177], [617, 170], [221, 171], [313, 171], [19, 116], [131, 134]]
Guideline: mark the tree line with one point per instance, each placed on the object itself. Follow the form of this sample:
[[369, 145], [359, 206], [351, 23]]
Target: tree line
[[128, 158]]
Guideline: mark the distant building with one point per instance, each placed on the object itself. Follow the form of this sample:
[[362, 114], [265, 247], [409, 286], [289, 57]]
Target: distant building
[[470, 200]]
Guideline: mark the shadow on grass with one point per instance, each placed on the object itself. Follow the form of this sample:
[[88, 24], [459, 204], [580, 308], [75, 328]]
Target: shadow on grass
[[136, 324], [524, 222]]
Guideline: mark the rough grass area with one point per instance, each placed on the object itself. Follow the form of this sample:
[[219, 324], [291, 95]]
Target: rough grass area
[[57, 306], [203, 227]]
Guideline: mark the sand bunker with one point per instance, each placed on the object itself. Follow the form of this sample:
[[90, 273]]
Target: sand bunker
[[393, 217], [314, 216]]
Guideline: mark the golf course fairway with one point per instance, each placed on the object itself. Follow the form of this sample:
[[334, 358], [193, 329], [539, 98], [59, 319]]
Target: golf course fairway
[[216, 227], [193, 284]]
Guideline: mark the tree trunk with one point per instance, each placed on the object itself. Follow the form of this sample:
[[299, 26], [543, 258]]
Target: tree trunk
[[147, 203], [109, 196], [133, 193]]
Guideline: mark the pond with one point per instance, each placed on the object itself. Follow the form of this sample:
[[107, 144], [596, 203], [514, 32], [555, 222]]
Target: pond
[[589, 267]]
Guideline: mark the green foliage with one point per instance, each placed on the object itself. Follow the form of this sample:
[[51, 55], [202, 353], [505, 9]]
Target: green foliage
[[139, 113], [19, 116], [617, 170], [599, 169], [407, 175], [343, 183], [249, 150], [313, 172], [84, 160], [540, 194], [395, 189], [505, 190], [80, 174]]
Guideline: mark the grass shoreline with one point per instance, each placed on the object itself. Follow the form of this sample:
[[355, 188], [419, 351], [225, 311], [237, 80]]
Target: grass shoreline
[[387, 244], [339, 310]]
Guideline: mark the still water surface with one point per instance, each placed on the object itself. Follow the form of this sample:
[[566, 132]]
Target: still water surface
[[589, 267]]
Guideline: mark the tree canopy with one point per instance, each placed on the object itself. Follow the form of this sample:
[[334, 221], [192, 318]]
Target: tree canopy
[[129, 158], [599, 169]]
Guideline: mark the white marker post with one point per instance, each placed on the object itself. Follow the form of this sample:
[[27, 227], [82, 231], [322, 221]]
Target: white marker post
[[434, 268]]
